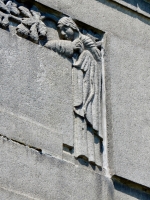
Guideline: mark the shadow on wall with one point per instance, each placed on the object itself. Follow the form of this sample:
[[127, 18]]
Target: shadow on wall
[[142, 6], [124, 188]]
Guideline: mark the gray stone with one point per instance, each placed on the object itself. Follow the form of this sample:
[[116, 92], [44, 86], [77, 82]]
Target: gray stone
[[43, 177], [36, 103], [106, 16], [13, 195], [127, 82], [129, 114], [86, 82], [36, 97]]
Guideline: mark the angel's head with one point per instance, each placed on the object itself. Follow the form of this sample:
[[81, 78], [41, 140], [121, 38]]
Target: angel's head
[[67, 28]]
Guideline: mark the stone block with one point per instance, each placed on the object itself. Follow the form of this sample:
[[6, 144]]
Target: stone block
[[36, 95], [128, 83], [26, 171], [12, 195]]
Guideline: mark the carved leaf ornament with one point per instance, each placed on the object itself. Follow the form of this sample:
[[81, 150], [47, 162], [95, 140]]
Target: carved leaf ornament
[[86, 72], [30, 22], [5, 12], [31, 25]]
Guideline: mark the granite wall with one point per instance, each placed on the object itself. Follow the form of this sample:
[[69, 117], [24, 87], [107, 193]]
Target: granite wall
[[36, 108]]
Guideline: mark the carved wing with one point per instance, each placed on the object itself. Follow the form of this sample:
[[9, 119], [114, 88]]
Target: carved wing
[[86, 94]]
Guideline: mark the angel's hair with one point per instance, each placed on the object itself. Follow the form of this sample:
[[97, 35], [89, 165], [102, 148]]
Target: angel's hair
[[67, 21]]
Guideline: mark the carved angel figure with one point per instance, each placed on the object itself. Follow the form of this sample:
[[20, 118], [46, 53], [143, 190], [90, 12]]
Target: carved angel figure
[[86, 82]]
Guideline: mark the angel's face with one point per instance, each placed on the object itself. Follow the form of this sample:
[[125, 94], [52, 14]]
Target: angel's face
[[67, 32]]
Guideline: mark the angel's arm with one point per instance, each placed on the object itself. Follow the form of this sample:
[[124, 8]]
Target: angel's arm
[[61, 46]]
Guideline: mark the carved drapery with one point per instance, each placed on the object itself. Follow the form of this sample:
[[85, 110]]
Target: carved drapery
[[86, 80], [84, 50]]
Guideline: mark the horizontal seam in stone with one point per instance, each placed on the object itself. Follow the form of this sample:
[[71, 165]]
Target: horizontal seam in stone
[[26, 119], [21, 143], [19, 193]]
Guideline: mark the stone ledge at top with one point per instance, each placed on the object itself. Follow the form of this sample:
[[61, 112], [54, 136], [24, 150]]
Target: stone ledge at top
[[130, 5], [134, 5], [108, 17]]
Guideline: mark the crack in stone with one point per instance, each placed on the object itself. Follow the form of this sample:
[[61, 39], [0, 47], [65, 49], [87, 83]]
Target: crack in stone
[[21, 143]]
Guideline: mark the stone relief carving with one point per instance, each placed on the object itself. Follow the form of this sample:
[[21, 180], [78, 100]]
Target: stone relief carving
[[31, 25], [30, 22], [86, 63], [84, 48], [7, 10]]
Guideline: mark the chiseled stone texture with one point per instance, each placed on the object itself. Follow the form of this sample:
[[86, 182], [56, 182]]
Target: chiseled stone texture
[[107, 16], [127, 81], [37, 176], [36, 97], [13, 195], [129, 114]]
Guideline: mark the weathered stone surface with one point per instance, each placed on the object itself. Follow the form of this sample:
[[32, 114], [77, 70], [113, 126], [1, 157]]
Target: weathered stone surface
[[44, 177], [12, 195], [86, 87], [127, 80], [129, 114], [27, 112], [30, 133], [138, 6], [36, 94], [106, 16]]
